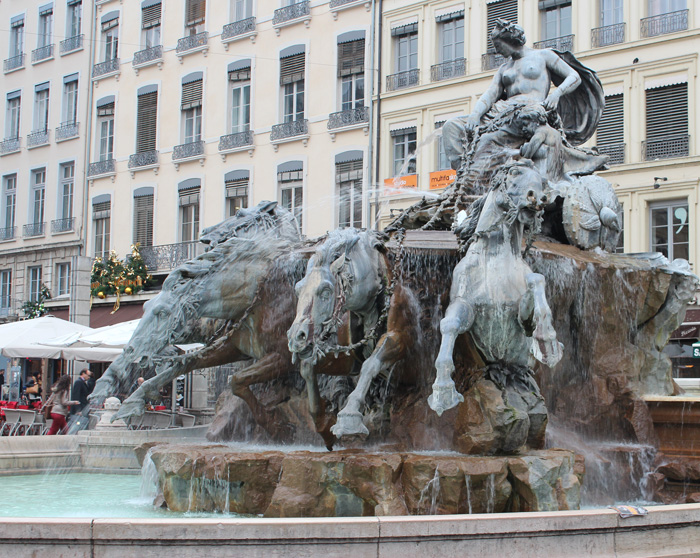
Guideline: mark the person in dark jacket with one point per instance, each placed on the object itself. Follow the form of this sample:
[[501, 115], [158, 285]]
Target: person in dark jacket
[[80, 392]]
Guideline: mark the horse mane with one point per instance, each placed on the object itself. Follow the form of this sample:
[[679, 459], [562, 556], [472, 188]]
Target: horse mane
[[336, 243]]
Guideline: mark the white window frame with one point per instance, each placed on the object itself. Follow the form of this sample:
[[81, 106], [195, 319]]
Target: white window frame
[[192, 124], [62, 283], [74, 19], [45, 33], [17, 40], [239, 115], [110, 38], [9, 190], [611, 12], [70, 102], [406, 52], [288, 199], [12, 118], [35, 282], [41, 110], [38, 202], [189, 222], [554, 16], [101, 236], [105, 137], [5, 289], [66, 190], [660, 7], [451, 47], [293, 102], [671, 207], [401, 149]]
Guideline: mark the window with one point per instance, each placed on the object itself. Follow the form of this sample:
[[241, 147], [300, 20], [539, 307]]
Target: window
[[41, 107], [101, 213], [669, 229], [38, 196], [348, 177], [405, 48], [241, 9], [610, 12], [143, 217], [45, 26], [404, 142], [191, 110], [556, 21], [443, 162], [9, 188], [292, 70], [70, 99], [189, 213], [236, 183], [5, 288], [150, 24], [658, 7], [451, 37], [667, 122], [16, 36], [105, 131], [620, 248], [505, 9], [34, 283], [74, 16], [290, 180], [351, 72], [194, 16], [62, 283], [146, 121], [65, 191], [611, 139], [14, 102], [110, 37], [239, 81]]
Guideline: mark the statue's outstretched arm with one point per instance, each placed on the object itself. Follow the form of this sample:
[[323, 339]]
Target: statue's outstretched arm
[[486, 101], [571, 78]]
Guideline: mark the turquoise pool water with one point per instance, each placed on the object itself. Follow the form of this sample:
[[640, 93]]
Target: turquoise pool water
[[92, 495]]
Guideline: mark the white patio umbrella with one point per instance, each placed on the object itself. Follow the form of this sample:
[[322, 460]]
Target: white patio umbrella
[[103, 344], [22, 339]]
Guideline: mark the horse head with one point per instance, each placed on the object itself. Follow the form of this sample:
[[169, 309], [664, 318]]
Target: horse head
[[344, 274], [521, 192]]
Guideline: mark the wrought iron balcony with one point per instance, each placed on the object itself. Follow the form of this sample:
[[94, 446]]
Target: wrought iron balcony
[[37, 138], [666, 148], [234, 141], [143, 159], [616, 152], [102, 167], [448, 70], [166, 257], [560, 43], [8, 233], [67, 130], [143, 57], [289, 129], [350, 117], [238, 28], [33, 229], [671, 22], [72, 43], [192, 42], [14, 63], [289, 13], [608, 35], [10, 145], [402, 80], [491, 61], [42, 53], [62, 225], [187, 150], [106, 67]]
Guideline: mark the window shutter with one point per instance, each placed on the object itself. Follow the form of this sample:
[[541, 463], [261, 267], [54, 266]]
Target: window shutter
[[292, 68], [143, 220], [459, 14], [195, 11], [189, 196], [106, 110], [150, 16], [350, 170], [242, 74], [237, 188], [147, 121], [610, 127], [505, 9], [351, 58], [404, 30], [667, 111], [192, 94], [101, 210]]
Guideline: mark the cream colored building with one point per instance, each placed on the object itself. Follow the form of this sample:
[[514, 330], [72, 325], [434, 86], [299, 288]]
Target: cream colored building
[[203, 107]]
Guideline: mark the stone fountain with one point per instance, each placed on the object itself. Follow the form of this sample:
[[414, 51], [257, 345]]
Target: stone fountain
[[429, 358]]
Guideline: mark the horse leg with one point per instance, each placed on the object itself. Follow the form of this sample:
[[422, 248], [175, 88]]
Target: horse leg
[[459, 317], [317, 407], [536, 319], [389, 350]]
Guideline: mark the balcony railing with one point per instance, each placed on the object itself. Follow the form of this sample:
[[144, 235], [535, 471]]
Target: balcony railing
[[608, 35], [37, 138], [350, 117], [8, 233], [448, 70], [288, 13], [102, 167], [166, 257], [14, 63], [666, 148], [34, 229], [106, 67], [62, 225], [67, 130], [42, 53], [234, 141], [187, 150], [402, 80], [289, 129], [671, 22], [560, 43], [143, 159], [615, 152], [192, 42], [491, 61], [72, 43], [148, 55], [238, 28], [10, 145]]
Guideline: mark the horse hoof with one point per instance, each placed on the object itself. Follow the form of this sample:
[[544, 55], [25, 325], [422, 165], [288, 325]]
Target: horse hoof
[[349, 423], [444, 397]]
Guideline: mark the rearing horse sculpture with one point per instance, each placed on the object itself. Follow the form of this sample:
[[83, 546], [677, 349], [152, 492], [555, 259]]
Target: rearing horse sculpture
[[495, 296]]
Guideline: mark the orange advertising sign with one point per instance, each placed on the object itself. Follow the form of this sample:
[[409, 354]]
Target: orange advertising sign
[[396, 185], [442, 179]]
